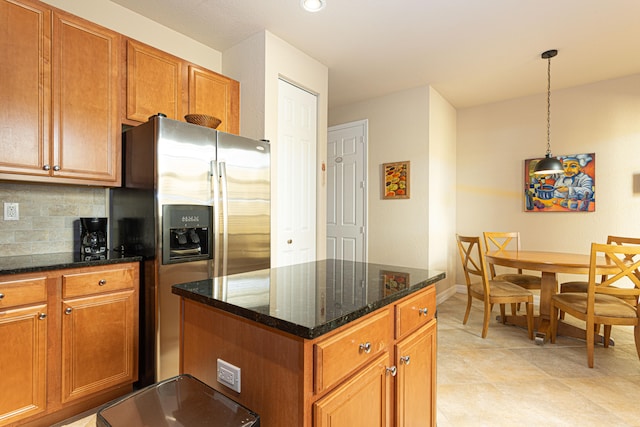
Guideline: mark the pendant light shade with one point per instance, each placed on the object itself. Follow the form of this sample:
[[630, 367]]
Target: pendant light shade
[[549, 165]]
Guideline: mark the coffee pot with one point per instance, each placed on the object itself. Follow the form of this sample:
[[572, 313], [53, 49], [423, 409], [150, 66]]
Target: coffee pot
[[93, 236]]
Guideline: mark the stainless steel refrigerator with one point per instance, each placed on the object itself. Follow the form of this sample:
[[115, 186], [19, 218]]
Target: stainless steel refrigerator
[[195, 203]]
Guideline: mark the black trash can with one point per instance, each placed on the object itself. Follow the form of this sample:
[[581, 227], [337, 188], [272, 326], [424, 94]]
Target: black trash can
[[179, 401]]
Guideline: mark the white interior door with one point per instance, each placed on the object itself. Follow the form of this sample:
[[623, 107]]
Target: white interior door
[[296, 175], [347, 191]]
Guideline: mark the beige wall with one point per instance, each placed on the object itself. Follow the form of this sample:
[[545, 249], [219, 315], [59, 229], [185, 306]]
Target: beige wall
[[416, 125], [494, 140]]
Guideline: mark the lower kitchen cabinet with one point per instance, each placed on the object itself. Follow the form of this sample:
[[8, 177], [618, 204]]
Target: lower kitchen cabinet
[[23, 361], [378, 370], [368, 390], [99, 331], [73, 336], [416, 378]]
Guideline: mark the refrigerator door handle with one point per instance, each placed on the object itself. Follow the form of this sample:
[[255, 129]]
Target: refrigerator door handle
[[225, 215], [216, 217]]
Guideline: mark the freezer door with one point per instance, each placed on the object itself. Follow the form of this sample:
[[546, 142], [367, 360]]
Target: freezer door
[[184, 155], [243, 167]]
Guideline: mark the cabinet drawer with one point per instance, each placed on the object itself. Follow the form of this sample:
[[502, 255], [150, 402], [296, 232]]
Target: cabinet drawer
[[343, 353], [78, 284], [415, 312], [21, 292]]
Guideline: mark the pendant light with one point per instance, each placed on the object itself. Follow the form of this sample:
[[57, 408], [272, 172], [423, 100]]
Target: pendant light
[[549, 165]]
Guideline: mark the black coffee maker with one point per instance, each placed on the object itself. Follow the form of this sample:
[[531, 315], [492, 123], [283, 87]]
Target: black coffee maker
[[93, 238]]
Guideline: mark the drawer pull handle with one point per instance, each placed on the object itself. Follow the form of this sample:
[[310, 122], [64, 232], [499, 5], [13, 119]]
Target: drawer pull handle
[[392, 370], [68, 310], [423, 311], [42, 316], [405, 359], [1, 295], [102, 282], [366, 347]]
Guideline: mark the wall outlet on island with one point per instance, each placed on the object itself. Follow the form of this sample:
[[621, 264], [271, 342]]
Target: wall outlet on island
[[11, 211], [228, 375]]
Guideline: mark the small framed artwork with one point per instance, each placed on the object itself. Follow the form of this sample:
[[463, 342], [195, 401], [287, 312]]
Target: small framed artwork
[[396, 180], [394, 282]]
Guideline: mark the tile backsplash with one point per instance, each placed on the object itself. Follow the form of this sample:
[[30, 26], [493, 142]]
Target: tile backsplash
[[49, 217]]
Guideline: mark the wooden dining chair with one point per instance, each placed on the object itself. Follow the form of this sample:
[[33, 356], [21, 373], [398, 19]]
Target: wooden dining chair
[[606, 301], [581, 285], [489, 291], [505, 241]]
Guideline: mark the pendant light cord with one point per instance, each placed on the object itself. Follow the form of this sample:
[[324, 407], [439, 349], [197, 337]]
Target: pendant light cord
[[548, 106]]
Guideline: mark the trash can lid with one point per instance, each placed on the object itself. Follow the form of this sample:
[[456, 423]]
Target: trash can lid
[[179, 401]]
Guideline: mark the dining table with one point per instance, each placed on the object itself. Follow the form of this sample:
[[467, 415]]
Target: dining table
[[549, 264]]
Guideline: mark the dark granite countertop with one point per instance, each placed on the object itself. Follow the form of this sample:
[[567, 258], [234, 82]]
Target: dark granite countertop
[[310, 299], [42, 262]]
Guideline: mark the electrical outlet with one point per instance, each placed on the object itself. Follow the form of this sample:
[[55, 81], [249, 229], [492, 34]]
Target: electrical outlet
[[228, 375], [11, 212]]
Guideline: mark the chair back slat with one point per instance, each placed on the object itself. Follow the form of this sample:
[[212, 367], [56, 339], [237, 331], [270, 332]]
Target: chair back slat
[[473, 262], [501, 241], [625, 280]]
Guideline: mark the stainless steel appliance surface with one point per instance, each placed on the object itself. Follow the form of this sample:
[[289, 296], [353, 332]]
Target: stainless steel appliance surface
[[195, 202]]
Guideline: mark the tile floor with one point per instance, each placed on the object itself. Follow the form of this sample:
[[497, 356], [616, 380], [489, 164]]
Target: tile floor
[[507, 380]]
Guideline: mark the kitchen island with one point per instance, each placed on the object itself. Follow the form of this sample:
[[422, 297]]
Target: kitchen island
[[321, 343]]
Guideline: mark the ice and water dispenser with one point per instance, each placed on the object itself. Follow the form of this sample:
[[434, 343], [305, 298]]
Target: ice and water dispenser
[[186, 233]]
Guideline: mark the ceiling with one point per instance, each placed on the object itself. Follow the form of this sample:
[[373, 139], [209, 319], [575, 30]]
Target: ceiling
[[472, 52]]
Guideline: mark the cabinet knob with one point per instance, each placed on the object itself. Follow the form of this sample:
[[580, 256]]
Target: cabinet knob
[[423, 311], [1, 295], [56, 168], [405, 359], [366, 347], [42, 316], [289, 242], [68, 310], [46, 167], [392, 370], [102, 282]]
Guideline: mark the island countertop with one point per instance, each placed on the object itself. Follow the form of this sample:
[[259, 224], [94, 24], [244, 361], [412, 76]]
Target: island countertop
[[309, 299]]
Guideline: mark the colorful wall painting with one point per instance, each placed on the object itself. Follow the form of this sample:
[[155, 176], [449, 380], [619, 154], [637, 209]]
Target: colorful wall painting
[[573, 190]]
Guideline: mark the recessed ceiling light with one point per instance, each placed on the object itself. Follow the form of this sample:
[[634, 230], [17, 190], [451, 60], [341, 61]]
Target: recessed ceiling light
[[313, 5]]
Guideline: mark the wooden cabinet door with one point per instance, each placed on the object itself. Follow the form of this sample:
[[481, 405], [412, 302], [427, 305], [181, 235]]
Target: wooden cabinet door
[[215, 95], [25, 75], [154, 83], [416, 378], [86, 126], [23, 366], [99, 343], [362, 401]]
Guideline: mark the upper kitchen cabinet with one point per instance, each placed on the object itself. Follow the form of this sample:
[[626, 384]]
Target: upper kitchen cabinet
[[86, 125], [59, 118], [154, 83], [157, 82], [216, 95], [25, 89]]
